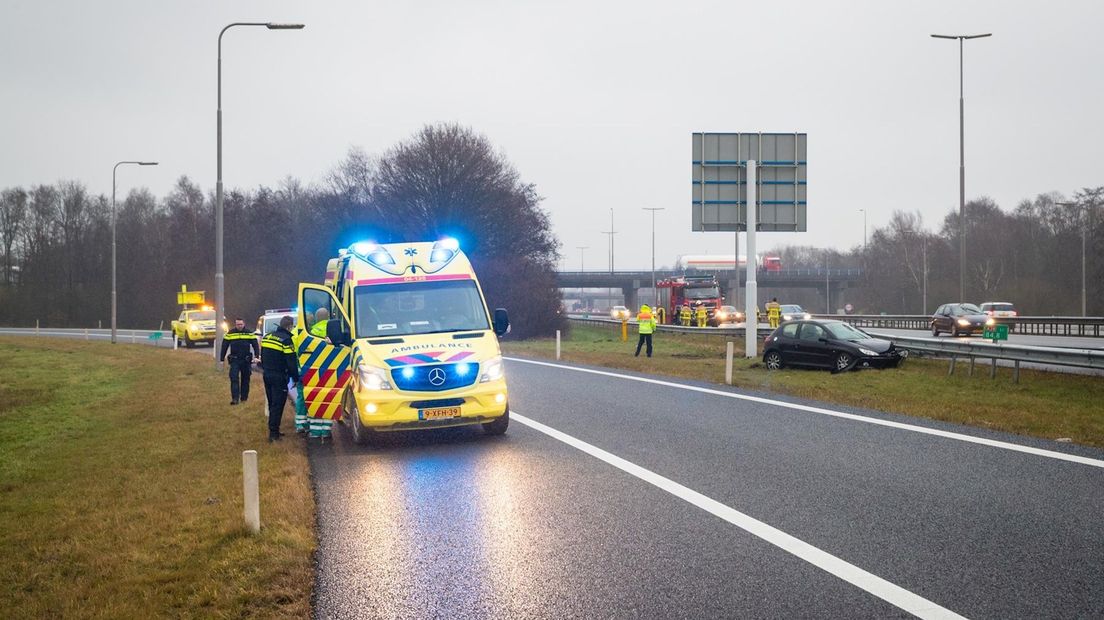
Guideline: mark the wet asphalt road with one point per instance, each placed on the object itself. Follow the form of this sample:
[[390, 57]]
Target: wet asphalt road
[[453, 524]]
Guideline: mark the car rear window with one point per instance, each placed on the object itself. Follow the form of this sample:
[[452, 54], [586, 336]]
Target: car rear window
[[1000, 307]]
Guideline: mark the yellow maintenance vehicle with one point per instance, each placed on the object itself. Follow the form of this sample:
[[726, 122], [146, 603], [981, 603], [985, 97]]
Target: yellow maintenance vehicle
[[409, 342], [194, 325]]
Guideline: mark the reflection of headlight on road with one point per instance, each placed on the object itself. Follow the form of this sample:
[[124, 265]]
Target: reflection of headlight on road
[[372, 378], [492, 370], [868, 352], [964, 322]]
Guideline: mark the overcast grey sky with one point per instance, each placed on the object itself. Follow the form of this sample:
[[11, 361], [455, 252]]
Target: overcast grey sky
[[594, 102]]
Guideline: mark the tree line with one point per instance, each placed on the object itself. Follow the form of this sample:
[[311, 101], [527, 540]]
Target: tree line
[[446, 180]]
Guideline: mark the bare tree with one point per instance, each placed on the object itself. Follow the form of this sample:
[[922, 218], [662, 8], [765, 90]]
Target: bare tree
[[13, 211]]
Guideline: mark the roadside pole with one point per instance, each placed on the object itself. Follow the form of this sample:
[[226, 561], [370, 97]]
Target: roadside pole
[[729, 347], [751, 346], [251, 491], [557, 345]]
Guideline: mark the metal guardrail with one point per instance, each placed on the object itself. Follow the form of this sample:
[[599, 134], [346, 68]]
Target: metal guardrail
[[1074, 326], [948, 347], [126, 336]]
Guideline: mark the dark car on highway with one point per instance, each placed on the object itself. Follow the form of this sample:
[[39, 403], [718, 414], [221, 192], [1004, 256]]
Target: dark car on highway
[[959, 319], [827, 344]]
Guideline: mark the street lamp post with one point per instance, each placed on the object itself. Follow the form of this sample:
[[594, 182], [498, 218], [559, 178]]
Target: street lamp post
[[114, 305], [220, 297], [863, 211], [961, 162], [1084, 237], [582, 250], [655, 291]]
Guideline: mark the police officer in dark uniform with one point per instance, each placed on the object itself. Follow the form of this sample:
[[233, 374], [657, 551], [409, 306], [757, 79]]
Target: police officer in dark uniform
[[279, 364], [243, 348]]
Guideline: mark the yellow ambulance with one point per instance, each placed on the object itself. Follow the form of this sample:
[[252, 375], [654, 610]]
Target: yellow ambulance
[[409, 342]]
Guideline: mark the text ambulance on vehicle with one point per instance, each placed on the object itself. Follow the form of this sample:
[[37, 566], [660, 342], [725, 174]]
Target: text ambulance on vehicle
[[415, 346]]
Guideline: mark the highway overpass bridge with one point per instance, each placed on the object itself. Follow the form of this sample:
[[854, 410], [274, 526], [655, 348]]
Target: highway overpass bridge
[[630, 282]]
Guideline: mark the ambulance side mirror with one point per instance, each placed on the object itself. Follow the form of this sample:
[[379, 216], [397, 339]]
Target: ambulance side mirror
[[346, 336], [501, 322]]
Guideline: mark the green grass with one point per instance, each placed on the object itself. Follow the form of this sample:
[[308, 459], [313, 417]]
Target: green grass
[[1042, 404], [120, 489]]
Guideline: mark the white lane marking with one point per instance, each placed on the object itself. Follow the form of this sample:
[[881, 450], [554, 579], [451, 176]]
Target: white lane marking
[[1073, 458], [888, 592]]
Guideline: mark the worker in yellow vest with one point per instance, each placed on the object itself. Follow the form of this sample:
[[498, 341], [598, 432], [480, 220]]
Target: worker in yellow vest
[[646, 325], [774, 312], [684, 315], [702, 315]]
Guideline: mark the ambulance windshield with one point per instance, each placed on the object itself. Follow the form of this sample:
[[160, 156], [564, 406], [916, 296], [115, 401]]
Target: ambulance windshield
[[425, 307]]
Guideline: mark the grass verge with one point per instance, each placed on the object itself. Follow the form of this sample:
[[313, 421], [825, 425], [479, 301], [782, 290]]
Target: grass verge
[[121, 489], [1043, 404]]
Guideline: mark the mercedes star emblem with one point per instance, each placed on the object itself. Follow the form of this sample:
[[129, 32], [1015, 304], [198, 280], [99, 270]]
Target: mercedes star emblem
[[437, 376]]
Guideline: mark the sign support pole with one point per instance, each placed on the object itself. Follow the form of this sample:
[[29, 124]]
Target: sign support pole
[[751, 302]]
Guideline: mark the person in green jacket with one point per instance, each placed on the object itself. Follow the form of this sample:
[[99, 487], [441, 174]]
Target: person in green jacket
[[646, 325]]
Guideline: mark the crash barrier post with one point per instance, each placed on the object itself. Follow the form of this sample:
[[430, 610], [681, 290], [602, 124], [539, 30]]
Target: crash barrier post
[[728, 362], [36, 327], [1016, 372], [86, 333], [557, 345], [133, 336], [950, 369], [251, 491], [174, 341]]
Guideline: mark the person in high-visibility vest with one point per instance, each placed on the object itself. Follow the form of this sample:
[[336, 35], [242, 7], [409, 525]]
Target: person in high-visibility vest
[[684, 315], [322, 317], [774, 312], [702, 315], [646, 325]]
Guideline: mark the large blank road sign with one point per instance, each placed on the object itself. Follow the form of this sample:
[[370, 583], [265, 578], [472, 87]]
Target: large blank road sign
[[720, 181]]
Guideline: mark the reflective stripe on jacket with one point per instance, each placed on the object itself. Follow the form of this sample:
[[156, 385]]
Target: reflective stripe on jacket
[[646, 322]]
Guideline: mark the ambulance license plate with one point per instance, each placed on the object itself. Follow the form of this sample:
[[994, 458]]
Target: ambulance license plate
[[441, 412]]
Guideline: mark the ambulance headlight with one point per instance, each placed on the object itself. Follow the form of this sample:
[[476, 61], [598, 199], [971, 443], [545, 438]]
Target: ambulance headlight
[[372, 378], [492, 370]]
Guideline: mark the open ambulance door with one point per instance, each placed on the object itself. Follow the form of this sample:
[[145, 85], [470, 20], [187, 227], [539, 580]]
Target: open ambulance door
[[324, 368]]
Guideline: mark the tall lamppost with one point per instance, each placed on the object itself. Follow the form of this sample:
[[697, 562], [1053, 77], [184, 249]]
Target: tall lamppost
[[863, 211], [582, 250], [114, 306], [655, 292], [961, 162], [220, 297], [1084, 236]]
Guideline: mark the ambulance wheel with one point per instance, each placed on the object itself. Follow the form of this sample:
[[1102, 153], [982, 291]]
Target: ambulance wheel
[[361, 436], [498, 425]]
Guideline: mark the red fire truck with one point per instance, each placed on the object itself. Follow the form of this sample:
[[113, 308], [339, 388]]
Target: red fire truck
[[694, 290]]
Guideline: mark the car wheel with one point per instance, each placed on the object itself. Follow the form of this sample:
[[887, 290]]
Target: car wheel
[[188, 342], [499, 424], [772, 360], [843, 361], [935, 331], [954, 332]]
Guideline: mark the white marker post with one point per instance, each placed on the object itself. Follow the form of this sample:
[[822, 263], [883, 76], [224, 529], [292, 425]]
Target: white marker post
[[751, 303], [251, 491], [729, 346], [557, 345]]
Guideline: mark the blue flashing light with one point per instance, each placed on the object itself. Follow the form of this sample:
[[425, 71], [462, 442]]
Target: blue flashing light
[[408, 373], [463, 369], [440, 255], [449, 243], [363, 248]]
